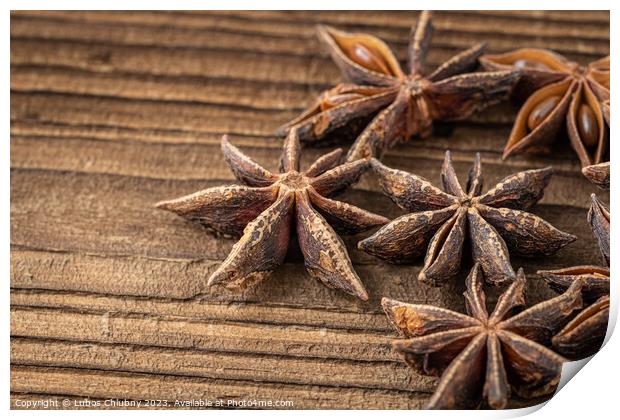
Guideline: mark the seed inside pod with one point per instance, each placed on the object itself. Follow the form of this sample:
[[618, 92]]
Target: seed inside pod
[[338, 99], [587, 125], [530, 64], [542, 111], [367, 57]]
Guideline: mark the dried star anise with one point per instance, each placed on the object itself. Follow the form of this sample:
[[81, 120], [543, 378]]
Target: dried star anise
[[560, 92], [269, 205], [598, 175], [584, 335], [482, 356], [599, 219], [494, 221], [402, 104]]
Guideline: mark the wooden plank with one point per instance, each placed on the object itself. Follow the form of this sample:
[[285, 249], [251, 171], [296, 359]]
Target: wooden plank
[[77, 49], [371, 18], [119, 206], [157, 61], [178, 117], [52, 115], [263, 368], [170, 161], [192, 309], [161, 88], [192, 334], [97, 384], [456, 31], [290, 285]]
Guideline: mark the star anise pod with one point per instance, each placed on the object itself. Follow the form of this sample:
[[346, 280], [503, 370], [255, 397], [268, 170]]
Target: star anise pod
[[269, 205], [584, 335], [482, 356], [560, 92], [598, 174], [599, 219], [403, 103], [494, 221]]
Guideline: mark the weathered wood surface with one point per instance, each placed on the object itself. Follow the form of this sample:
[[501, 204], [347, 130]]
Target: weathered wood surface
[[112, 112]]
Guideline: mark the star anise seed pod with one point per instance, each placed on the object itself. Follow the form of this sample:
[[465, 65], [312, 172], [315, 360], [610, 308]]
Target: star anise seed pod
[[595, 280], [269, 205], [482, 356], [584, 335], [494, 221], [599, 219], [403, 104], [560, 92], [598, 174]]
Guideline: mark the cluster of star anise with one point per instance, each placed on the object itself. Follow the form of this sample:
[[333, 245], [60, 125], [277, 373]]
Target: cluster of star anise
[[584, 335], [481, 356]]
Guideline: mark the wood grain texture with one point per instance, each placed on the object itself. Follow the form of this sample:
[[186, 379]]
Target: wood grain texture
[[114, 111]]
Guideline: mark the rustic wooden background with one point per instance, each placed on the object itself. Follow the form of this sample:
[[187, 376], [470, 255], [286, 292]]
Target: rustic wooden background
[[114, 111]]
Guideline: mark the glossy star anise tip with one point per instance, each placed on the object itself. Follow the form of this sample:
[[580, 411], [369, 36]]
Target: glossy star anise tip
[[362, 294], [178, 206], [165, 205]]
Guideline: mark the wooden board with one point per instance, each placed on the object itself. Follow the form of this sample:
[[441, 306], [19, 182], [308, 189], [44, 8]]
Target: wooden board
[[112, 112]]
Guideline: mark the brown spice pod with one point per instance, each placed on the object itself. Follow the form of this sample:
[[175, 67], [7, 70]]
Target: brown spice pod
[[584, 335], [539, 139], [269, 206], [599, 175], [595, 280], [534, 78], [545, 75], [584, 95], [383, 64], [482, 356], [406, 103]]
